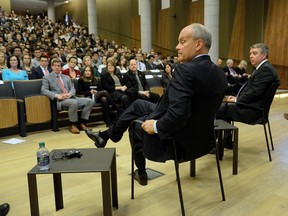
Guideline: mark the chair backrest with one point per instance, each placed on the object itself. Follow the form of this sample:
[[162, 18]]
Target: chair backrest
[[25, 88], [268, 98], [6, 89]]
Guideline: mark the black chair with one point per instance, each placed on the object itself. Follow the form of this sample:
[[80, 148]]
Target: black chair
[[176, 164], [264, 110], [8, 106], [34, 108]]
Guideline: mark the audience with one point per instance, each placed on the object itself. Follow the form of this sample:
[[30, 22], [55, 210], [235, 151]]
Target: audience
[[167, 75]]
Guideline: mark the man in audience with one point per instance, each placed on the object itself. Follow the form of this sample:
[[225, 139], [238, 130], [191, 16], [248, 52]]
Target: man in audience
[[35, 62], [185, 113], [252, 91], [149, 64], [59, 87], [136, 84], [140, 65], [42, 70]]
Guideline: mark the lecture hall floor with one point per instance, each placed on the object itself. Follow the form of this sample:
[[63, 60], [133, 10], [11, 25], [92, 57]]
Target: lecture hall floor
[[260, 188]]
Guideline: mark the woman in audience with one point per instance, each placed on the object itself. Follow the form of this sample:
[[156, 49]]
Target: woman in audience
[[113, 83], [89, 86], [13, 70], [2, 62], [87, 61], [241, 71], [73, 73], [167, 75], [26, 64], [122, 65]]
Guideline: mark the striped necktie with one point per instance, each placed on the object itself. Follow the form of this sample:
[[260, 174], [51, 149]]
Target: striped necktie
[[61, 84]]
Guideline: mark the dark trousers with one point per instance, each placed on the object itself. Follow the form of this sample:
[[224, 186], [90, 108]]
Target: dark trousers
[[140, 110]]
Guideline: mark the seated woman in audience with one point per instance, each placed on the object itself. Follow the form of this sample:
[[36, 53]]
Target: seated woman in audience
[[26, 64], [122, 65], [113, 83], [13, 70], [89, 86], [2, 62], [87, 61], [241, 71], [73, 73], [167, 75]]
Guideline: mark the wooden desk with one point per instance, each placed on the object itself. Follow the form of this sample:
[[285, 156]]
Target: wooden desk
[[222, 126], [93, 160]]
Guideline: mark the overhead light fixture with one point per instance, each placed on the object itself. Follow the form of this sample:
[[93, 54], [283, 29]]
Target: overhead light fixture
[[67, 1]]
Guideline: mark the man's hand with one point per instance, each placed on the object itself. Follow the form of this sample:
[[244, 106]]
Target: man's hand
[[231, 99], [146, 93], [147, 126]]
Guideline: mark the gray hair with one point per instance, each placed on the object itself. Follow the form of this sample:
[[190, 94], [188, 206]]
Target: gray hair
[[201, 32], [263, 48]]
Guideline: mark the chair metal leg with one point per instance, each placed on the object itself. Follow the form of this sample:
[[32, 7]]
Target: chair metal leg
[[219, 173], [267, 142], [271, 140], [176, 163]]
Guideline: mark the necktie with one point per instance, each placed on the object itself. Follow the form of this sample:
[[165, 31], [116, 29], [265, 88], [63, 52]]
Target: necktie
[[140, 87], [232, 72], [46, 71], [61, 85]]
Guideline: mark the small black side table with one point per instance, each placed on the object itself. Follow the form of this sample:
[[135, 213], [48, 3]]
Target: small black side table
[[92, 160]]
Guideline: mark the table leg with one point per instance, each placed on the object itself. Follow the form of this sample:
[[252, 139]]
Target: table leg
[[58, 191], [106, 193], [235, 152], [33, 194], [114, 182], [192, 168]]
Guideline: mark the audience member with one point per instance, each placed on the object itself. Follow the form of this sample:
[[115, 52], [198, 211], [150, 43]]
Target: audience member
[[2, 61], [42, 70], [252, 92], [167, 75], [71, 71], [114, 84], [59, 87], [140, 65], [89, 86], [35, 62], [150, 63], [179, 115], [137, 87], [13, 70], [26, 63]]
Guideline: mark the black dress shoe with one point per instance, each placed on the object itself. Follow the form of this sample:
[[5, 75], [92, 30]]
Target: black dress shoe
[[4, 209], [141, 178], [99, 142]]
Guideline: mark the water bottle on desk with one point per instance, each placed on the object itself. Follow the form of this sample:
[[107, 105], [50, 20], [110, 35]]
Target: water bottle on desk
[[43, 160]]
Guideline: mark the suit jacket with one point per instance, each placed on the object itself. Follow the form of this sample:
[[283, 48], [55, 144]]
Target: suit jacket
[[51, 87], [186, 111], [37, 73], [132, 85], [257, 84]]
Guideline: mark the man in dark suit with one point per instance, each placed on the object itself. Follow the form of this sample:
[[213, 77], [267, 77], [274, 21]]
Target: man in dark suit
[[185, 112], [252, 91], [136, 83], [59, 87], [149, 64], [42, 70]]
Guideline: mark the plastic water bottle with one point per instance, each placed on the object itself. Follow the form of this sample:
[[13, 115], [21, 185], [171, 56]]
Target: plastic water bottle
[[43, 160]]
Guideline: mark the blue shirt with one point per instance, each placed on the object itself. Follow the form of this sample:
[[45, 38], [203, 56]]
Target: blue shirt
[[7, 74]]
